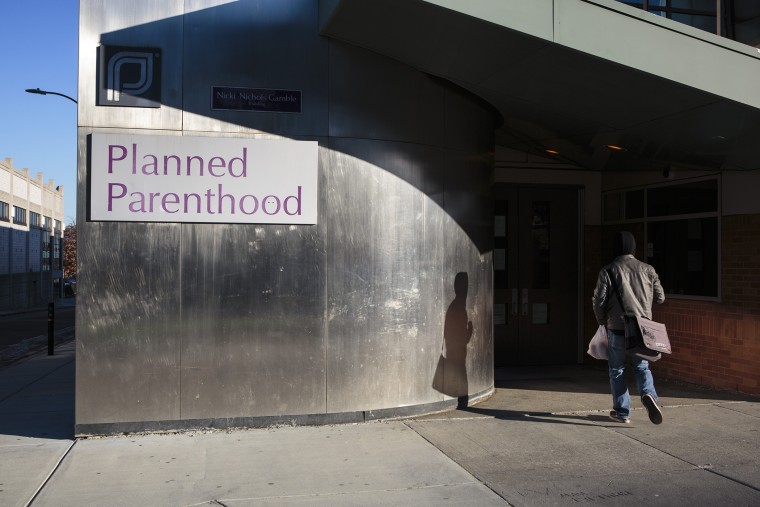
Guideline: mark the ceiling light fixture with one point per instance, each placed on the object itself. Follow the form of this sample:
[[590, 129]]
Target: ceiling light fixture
[[614, 147], [551, 152]]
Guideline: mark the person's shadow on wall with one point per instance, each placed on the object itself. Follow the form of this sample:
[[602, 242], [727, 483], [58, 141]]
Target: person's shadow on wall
[[451, 372]]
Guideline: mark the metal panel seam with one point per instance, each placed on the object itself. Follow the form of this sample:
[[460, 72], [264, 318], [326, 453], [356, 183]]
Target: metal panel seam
[[181, 320]]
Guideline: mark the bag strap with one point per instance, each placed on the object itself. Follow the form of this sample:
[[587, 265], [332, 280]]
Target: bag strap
[[617, 292]]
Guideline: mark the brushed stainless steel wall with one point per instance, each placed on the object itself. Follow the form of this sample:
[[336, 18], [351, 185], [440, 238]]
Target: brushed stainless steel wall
[[196, 324]]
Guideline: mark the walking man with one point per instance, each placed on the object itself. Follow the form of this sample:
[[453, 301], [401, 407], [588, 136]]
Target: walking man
[[639, 287]]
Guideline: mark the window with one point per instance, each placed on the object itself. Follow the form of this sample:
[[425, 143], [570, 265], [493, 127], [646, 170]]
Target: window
[[34, 219], [685, 254], [737, 20], [682, 229], [501, 209], [4, 212], [706, 23], [702, 14], [741, 22], [702, 5], [624, 205], [47, 224], [19, 215], [540, 226], [57, 246], [683, 199], [46, 251], [58, 226]]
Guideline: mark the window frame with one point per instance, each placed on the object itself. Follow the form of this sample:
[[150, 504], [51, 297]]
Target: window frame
[[16, 219], [5, 211], [646, 220], [35, 219]]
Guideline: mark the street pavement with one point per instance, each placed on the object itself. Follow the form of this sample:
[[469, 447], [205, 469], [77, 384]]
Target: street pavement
[[542, 439], [25, 332]]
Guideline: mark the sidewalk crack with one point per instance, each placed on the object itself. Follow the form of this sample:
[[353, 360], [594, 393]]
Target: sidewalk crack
[[50, 475]]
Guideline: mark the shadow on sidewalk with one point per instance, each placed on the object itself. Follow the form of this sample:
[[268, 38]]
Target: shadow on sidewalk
[[37, 396], [593, 379], [543, 417]]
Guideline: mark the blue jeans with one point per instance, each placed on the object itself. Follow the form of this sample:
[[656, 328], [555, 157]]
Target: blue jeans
[[616, 357]]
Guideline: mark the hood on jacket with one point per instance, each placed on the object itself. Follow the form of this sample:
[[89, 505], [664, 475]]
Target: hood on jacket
[[623, 244]]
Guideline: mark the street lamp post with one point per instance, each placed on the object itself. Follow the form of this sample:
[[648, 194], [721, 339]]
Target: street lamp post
[[51, 305], [37, 91], [44, 92]]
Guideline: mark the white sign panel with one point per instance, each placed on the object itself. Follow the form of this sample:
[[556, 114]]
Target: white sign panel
[[138, 178]]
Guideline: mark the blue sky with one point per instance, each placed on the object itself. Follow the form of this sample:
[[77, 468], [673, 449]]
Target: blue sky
[[39, 50]]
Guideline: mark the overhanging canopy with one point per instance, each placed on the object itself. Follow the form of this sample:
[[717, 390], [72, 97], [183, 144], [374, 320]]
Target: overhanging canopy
[[576, 76]]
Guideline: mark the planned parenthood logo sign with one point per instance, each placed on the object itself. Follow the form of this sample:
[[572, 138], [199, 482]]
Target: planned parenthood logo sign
[[129, 76], [140, 178]]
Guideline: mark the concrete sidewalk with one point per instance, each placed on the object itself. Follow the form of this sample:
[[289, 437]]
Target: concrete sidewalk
[[542, 439]]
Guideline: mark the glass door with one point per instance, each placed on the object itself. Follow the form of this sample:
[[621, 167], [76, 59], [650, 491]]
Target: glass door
[[536, 278]]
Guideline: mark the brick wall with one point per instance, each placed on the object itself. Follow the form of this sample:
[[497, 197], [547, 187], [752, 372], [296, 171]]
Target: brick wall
[[715, 344], [718, 344]]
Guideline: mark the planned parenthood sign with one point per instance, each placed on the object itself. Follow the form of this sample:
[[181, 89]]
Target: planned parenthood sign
[[140, 178]]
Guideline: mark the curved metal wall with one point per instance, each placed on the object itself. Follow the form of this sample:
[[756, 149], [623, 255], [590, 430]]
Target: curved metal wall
[[191, 325]]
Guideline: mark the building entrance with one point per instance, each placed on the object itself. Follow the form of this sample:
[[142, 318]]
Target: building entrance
[[536, 307]]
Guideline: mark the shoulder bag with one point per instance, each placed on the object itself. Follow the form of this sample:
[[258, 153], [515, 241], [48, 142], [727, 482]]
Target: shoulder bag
[[645, 338]]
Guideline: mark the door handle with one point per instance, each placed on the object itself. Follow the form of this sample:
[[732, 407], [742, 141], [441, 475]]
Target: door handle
[[525, 302]]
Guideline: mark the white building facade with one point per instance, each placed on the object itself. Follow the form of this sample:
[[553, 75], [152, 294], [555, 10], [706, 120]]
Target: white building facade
[[31, 239]]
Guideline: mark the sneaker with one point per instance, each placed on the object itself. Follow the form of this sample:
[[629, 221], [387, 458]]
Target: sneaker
[[617, 418], [655, 414]]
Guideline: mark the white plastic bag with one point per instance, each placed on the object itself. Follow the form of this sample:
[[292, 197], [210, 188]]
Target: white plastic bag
[[598, 346]]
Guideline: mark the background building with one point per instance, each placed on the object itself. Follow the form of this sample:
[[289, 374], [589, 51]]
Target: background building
[[31, 217], [474, 160]]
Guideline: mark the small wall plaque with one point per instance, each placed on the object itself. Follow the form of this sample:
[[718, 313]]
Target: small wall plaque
[[231, 98]]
